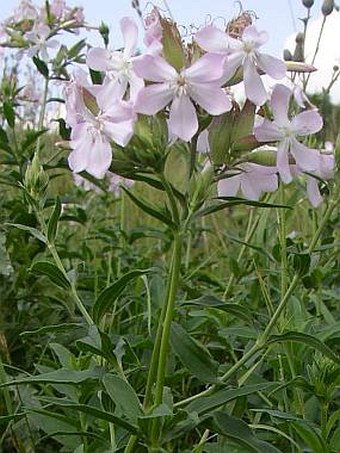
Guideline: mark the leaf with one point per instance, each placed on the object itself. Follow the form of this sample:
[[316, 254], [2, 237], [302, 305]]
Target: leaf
[[53, 221], [238, 431], [52, 272], [61, 376], [75, 50], [206, 404], [150, 209], [9, 113], [33, 231], [124, 396], [306, 339], [210, 301], [100, 414], [194, 356], [107, 297], [41, 66], [235, 201], [310, 436], [52, 328]]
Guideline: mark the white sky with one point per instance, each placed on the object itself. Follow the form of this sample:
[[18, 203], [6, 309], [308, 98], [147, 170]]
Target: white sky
[[280, 18]]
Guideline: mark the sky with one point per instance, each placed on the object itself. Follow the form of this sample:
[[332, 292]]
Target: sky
[[280, 18]]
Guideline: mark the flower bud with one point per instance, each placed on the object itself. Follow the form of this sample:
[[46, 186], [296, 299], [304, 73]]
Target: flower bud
[[299, 48], [36, 180], [308, 3], [287, 55], [265, 155], [327, 7], [172, 44]]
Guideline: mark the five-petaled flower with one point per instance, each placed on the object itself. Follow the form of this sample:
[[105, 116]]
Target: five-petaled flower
[[285, 132], [243, 52], [200, 83]]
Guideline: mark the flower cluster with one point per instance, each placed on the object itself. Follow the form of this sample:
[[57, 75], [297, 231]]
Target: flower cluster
[[190, 84], [32, 28]]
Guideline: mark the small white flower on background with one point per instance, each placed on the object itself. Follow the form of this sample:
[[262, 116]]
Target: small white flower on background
[[40, 42]]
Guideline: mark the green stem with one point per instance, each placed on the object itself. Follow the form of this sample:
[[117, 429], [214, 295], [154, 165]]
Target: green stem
[[317, 48], [51, 247], [165, 331], [170, 306]]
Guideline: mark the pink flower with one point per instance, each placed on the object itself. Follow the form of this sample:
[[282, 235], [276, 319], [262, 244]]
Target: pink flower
[[91, 138], [325, 171], [118, 66], [286, 131], [40, 42], [251, 179], [57, 8], [243, 52], [199, 82], [153, 33]]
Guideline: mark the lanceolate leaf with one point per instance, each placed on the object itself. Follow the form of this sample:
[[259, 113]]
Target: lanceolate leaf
[[153, 211], [194, 356], [234, 201], [33, 231], [107, 297], [124, 396], [61, 376], [52, 272], [53, 221], [306, 339], [210, 301]]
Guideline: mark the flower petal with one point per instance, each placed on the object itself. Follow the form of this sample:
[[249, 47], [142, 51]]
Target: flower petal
[[214, 40], [313, 192], [251, 34], [212, 98], [272, 66], [130, 34], [154, 68], [183, 119], [206, 69], [99, 158], [254, 87], [152, 98], [231, 64], [267, 131], [228, 187], [306, 123], [97, 58], [110, 92], [307, 159], [280, 104], [282, 162], [120, 133]]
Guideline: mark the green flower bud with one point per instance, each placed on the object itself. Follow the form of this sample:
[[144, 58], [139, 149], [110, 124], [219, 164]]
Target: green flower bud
[[308, 3], [287, 55], [327, 7]]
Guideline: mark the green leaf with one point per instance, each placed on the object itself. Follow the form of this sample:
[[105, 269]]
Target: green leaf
[[194, 356], [306, 339], [210, 301], [124, 397], [150, 209], [107, 297], [61, 376], [33, 231], [52, 272], [100, 414], [41, 66], [53, 221], [75, 50], [235, 201], [52, 328], [96, 77], [310, 436], [206, 404], [238, 431], [9, 113]]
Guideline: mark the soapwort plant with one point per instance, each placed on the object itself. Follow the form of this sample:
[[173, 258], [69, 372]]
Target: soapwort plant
[[161, 329]]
